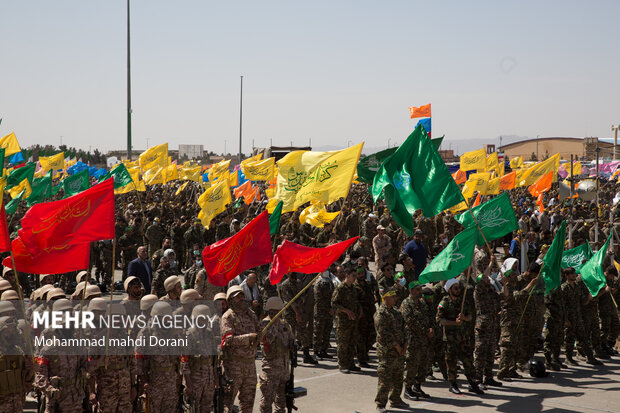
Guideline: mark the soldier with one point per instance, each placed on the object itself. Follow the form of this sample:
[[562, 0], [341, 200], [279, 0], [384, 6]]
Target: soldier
[[487, 306], [509, 318], [61, 377], [390, 353], [239, 333], [173, 291], [323, 315], [194, 235], [609, 313], [352, 224], [369, 227], [196, 266], [158, 373], [533, 316], [275, 345], [347, 309], [197, 368], [206, 290], [574, 296], [128, 245], [452, 319], [155, 259], [591, 328], [555, 322], [382, 246], [419, 332], [365, 326], [16, 370], [161, 275], [154, 235]]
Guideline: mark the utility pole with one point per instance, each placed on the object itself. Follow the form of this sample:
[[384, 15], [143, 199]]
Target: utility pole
[[572, 201], [537, 156], [128, 88], [614, 129], [598, 150], [240, 118]]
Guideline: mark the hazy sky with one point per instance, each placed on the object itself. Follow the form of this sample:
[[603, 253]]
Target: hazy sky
[[329, 71]]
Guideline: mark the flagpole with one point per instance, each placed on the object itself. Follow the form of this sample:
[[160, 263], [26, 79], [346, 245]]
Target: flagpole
[[111, 296], [572, 202], [21, 299]]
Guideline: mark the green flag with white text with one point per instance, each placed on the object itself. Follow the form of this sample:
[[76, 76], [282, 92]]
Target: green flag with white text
[[41, 189], [76, 183], [592, 272], [577, 257], [452, 260], [415, 177], [552, 268], [12, 205], [121, 176], [495, 217]]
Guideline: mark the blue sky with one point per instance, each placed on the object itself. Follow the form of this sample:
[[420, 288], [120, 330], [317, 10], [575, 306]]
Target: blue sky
[[326, 71]]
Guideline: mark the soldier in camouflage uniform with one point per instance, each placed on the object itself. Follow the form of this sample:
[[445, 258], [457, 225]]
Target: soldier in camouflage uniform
[[157, 255], [154, 235], [591, 327], [439, 346], [275, 347], [509, 318], [323, 314], [128, 244], [608, 312], [382, 246], [555, 322], [16, 370], [450, 225], [160, 277], [365, 326], [391, 344], [193, 235], [574, 297], [532, 319], [351, 224], [487, 306], [345, 303], [452, 319], [419, 333]]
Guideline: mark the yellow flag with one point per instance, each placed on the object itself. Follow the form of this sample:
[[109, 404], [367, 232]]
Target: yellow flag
[[155, 176], [534, 173], [181, 188], [252, 159], [476, 182], [190, 173], [492, 162], [172, 173], [516, 162], [54, 162], [474, 160], [492, 187], [213, 201], [576, 168], [22, 186], [305, 176], [316, 215], [10, 144], [155, 157], [259, 170], [2, 185], [219, 170]]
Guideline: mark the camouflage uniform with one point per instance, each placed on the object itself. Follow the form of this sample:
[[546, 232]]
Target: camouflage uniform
[[591, 327], [128, 245], [16, 371], [289, 288], [206, 290], [574, 296], [486, 301], [454, 337], [157, 285], [438, 345], [200, 369], [533, 319], [323, 320], [554, 327], [345, 296], [238, 358], [382, 246], [365, 326], [274, 373], [418, 321], [509, 317], [610, 325], [390, 328], [154, 236]]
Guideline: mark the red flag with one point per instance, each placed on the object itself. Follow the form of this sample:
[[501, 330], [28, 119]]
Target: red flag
[[5, 241], [55, 260], [477, 201], [291, 257], [82, 218], [247, 249]]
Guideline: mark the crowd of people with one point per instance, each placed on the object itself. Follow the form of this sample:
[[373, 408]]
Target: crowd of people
[[492, 319]]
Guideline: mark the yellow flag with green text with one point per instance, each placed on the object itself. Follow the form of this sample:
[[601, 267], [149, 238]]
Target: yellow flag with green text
[[213, 201], [316, 215], [305, 176], [155, 157], [534, 173], [476, 182], [52, 163], [172, 173], [259, 170], [192, 173], [10, 144], [155, 176], [492, 187], [219, 170], [516, 162], [474, 160]]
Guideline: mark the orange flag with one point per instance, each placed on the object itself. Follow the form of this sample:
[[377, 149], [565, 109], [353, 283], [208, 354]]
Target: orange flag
[[542, 185], [539, 202], [507, 181], [459, 177], [247, 192], [420, 112], [477, 201]]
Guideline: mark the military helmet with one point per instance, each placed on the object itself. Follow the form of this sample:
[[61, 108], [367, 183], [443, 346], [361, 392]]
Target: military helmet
[[9, 295], [201, 310], [5, 285], [92, 290], [219, 296], [537, 369], [80, 276], [7, 308], [147, 302], [161, 308], [171, 282], [233, 291], [116, 309], [97, 304], [55, 293], [189, 295], [129, 280], [274, 303], [7, 322], [62, 304]]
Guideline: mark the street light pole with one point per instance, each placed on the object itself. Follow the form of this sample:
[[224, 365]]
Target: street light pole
[[614, 129], [240, 117], [128, 88]]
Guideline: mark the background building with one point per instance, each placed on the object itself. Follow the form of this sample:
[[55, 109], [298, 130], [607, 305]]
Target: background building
[[541, 148]]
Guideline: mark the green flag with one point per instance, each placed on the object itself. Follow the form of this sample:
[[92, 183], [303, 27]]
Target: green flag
[[55, 189], [552, 268], [495, 217], [41, 189], [577, 256], [274, 219], [592, 271], [452, 260], [76, 183], [12, 205], [18, 175], [2, 150], [369, 165], [415, 177], [121, 176]]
